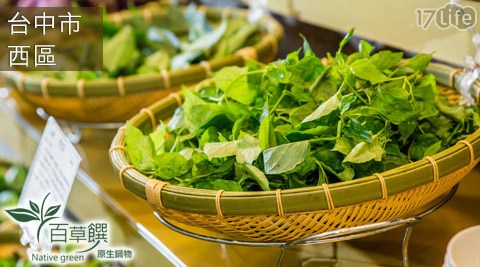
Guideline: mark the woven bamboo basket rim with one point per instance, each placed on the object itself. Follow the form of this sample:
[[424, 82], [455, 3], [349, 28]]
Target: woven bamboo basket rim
[[327, 197], [265, 50]]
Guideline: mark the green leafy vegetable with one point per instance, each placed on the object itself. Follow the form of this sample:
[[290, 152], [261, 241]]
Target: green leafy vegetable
[[296, 123], [176, 39]]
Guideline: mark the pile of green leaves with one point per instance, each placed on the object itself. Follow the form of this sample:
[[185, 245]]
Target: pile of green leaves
[[297, 122], [176, 40]]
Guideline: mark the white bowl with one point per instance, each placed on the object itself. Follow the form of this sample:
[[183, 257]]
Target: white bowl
[[463, 250]]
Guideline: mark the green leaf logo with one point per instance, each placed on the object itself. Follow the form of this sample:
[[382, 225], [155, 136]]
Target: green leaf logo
[[23, 215], [36, 214], [52, 210]]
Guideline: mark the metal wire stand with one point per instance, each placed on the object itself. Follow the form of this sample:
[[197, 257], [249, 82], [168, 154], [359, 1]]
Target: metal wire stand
[[74, 130], [332, 236]]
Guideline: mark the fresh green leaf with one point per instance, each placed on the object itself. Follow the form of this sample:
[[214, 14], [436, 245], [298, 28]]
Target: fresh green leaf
[[308, 68], [156, 62], [346, 102], [426, 89], [266, 134], [324, 109], [433, 149], [353, 57], [298, 114], [424, 145], [364, 152], [246, 149], [206, 41], [384, 60], [234, 40], [220, 149], [187, 153], [171, 165], [417, 63], [366, 70], [457, 113], [343, 145], [120, 51], [209, 136], [407, 128], [158, 138], [183, 60], [347, 174], [394, 105], [326, 85], [162, 40], [197, 22], [233, 81], [345, 40], [197, 111], [306, 46], [258, 176], [331, 162], [178, 119], [360, 129], [365, 48], [140, 149], [284, 158], [391, 161]]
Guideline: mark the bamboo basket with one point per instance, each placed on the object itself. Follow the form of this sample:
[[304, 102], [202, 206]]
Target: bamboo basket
[[286, 215], [116, 100]]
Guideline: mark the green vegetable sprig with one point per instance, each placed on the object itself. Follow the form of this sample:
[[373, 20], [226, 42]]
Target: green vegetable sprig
[[297, 122]]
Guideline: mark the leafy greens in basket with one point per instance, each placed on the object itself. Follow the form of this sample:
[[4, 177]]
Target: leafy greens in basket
[[176, 40], [298, 122]]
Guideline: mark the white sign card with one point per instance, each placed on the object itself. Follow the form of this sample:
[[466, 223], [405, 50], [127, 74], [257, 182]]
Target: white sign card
[[48, 184]]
